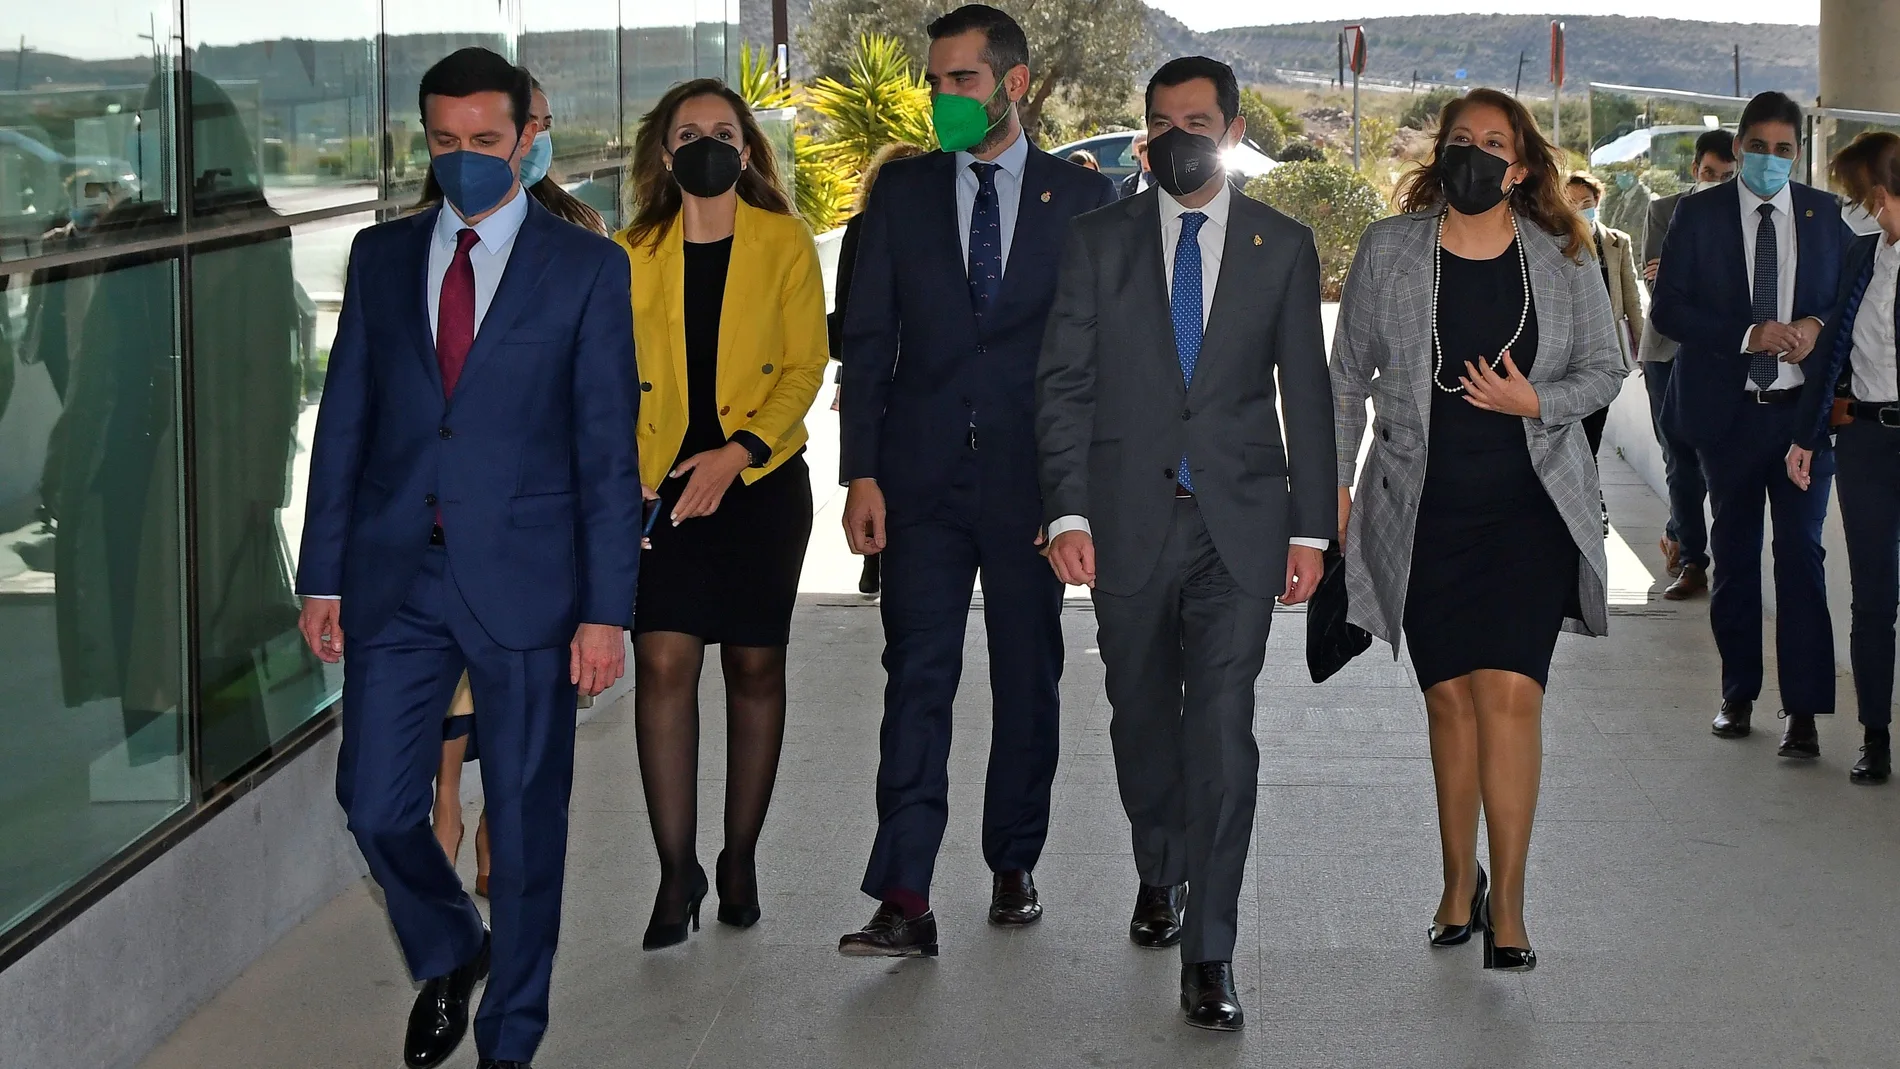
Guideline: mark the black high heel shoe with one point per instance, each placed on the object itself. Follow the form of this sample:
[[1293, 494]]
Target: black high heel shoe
[[662, 934], [1505, 959], [732, 912], [1452, 935]]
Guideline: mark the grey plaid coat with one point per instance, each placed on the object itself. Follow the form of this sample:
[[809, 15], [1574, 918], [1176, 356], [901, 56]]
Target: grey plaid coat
[[1383, 349]]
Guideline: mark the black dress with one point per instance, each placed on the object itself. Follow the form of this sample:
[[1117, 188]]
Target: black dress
[[731, 577], [1494, 567]]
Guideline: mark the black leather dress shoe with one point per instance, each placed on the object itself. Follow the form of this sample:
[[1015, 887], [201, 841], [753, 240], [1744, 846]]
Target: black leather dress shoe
[[1208, 996], [1732, 721], [889, 935], [439, 1018], [1157, 921], [1875, 764], [1800, 740], [490, 1063], [1013, 900]]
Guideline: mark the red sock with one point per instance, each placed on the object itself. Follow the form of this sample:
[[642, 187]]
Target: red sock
[[911, 904]]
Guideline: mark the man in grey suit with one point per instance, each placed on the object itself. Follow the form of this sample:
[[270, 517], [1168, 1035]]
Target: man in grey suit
[[1166, 486], [1685, 542]]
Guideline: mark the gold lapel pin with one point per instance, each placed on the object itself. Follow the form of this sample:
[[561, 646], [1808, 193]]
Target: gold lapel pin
[[1256, 240], [1810, 213], [1045, 198]]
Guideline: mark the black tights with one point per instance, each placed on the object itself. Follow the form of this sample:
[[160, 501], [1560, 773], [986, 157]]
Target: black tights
[[666, 722]]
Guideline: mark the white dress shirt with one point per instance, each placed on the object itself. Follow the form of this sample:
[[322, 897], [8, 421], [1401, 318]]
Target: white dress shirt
[[1787, 376], [1875, 376], [1009, 194], [1212, 239], [489, 257]]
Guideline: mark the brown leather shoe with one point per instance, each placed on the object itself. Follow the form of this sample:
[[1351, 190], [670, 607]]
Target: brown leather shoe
[[1693, 581], [1672, 556], [1013, 900], [889, 935]]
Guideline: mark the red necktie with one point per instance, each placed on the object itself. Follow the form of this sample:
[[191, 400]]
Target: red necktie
[[455, 313]]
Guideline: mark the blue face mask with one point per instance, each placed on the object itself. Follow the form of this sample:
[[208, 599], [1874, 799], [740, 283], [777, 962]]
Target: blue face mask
[[1765, 174], [1589, 215], [536, 161], [474, 182]]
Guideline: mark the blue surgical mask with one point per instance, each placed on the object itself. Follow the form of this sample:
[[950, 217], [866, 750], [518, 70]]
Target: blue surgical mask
[[536, 161], [474, 182], [1589, 215], [1765, 174]]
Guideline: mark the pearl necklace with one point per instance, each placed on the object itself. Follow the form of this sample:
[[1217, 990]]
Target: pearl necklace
[[1523, 316]]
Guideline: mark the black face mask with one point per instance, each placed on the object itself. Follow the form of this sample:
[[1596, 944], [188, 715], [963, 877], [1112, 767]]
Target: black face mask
[[1473, 178], [1182, 162], [706, 167]]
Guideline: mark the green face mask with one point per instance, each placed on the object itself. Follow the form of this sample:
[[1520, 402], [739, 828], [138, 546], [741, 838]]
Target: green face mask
[[962, 122]]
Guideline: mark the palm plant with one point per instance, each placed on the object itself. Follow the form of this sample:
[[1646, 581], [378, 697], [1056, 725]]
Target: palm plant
[[758, 81], [824, 190], [881, 100]]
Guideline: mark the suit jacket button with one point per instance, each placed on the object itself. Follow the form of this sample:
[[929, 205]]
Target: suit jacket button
[[1167, 473], [767, 369], [646, 387], [981, 349], [1385, 433], [1385, 483], [725, 410], [445, 432], [429, 499], [752, 413], [1185, 414]]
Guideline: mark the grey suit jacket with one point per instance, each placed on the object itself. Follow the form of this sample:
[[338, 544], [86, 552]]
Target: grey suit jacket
[[1657, 348], [1113, 416], [1383, 349]]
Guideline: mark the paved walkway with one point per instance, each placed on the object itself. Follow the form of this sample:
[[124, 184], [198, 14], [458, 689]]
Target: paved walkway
[[1694, 902]]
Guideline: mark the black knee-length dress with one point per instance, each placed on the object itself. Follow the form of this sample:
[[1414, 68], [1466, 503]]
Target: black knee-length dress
[[1494, 567], [731, 577]]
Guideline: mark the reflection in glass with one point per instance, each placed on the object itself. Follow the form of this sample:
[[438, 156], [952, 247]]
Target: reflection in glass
[[420, 33], [90, 613], [572, 57], [80, 132], [309, 106]]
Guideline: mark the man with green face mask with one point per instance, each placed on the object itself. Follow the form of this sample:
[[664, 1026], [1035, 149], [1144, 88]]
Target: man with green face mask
[[956, 270]]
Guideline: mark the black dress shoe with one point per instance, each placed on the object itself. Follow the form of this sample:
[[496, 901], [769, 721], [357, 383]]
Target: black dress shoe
[[889, 935], [490, 1063], [1452, 935], [1732, 721], [439, 1019], [1013, 900], [1208, 996], [1876, 761], [1800, 740], [1157, 921]]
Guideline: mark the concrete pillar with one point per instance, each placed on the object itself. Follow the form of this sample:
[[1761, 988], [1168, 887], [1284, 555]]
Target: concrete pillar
[[1860, 54]]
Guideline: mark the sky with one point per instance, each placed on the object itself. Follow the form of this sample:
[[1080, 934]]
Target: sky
[[1220, 14]]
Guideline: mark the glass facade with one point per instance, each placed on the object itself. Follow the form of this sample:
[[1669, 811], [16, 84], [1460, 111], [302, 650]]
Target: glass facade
[[180, 181]]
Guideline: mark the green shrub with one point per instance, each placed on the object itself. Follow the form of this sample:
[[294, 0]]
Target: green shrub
[[1303, 151], [1421, 113], [1263, 123], [1337, 202], [882, 100]]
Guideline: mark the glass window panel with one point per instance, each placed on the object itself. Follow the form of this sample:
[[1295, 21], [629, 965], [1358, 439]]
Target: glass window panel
[[264, 311], [90, 571], [658, 43], [303, 83], [420, 33], [570, 47], [87, 125]]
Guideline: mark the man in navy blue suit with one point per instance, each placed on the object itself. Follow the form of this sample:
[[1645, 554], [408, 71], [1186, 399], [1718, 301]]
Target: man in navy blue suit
[[474, 502], [1749, 270], [956, 272]]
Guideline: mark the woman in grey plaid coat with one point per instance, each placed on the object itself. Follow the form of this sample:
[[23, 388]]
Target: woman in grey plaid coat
[[1479, 327]]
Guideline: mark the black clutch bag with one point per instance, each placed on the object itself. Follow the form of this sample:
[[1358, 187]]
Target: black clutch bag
[[1331, 642]]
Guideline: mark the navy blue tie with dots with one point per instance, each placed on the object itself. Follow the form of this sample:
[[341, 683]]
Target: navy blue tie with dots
[[986, 241], [1762, 369], [1185, 304]]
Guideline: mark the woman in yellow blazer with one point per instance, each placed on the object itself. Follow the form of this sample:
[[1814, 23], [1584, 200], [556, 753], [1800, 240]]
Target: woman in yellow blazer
[[729, 327]]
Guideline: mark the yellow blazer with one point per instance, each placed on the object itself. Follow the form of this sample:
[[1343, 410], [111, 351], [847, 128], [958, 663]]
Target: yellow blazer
[[772, 343]]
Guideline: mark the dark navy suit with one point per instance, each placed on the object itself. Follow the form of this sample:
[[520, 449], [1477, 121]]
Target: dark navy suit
[[531, 468], [938, 407], [1704, 301]]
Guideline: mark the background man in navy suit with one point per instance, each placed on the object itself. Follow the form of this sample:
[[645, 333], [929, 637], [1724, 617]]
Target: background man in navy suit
[[1748, 271], [956, 270], [474, 502]]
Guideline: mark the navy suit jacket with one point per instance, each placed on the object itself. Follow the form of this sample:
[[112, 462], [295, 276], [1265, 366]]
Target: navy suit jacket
[[906, 421], [1704, 299], [532, 464], [1833, 352]]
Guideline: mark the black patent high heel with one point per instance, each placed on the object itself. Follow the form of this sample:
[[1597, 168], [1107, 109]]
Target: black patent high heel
[[1504, 959], [662, 934], [1451, 935], [733, 913]]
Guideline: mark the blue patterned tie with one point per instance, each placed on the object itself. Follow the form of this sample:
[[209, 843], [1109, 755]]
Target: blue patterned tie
[[1762, 367], [986, 240], [1185, 304]]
